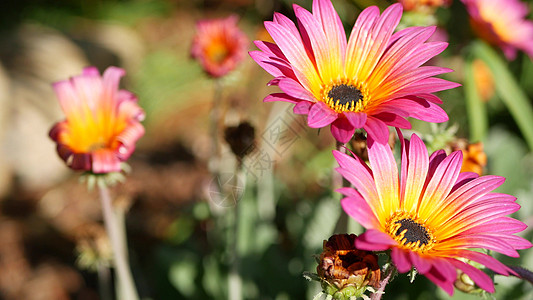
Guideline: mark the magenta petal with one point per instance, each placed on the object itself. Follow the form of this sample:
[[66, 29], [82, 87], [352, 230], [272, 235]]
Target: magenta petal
[[342, 130], [320, 115], [443, 274], [294, 89], [105, 161], [440, 281], [357, 208], [464, 178], [486, 260], [393, 119], [479, 277], [358, 120], [348, 191], [422, 109], [281, 97], [90, 71], [352, 163], [302, 107], [80, 161], [377, 130], [421, 264], [401, 260], [374, 240]]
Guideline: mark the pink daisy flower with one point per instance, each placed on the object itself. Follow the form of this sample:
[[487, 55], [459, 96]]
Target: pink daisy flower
[[374, 79], [502, 23], [430, 215], [219, 45], [102, 122]]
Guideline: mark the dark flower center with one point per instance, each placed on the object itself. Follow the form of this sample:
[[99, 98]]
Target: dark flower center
[[345, 94], [413, 232]]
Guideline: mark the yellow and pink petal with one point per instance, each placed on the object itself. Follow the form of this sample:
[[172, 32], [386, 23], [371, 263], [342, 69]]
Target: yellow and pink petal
[[442, 213], [368, 81], [102, 122]]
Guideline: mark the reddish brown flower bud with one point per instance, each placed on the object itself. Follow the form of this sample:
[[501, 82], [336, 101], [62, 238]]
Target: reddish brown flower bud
[[345, 269]]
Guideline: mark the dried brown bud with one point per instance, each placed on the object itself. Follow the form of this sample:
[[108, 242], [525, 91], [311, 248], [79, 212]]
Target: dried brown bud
[[241, 139], [344, 267]]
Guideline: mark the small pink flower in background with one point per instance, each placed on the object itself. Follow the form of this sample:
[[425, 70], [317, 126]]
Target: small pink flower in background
[[502, 23], [219, 45], [429, 214], [424, 4], [374, 79], [102, 122]]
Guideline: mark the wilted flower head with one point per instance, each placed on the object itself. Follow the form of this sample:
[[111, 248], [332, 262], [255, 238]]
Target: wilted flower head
[[502, 23], [219, 45], [374, 79], [241, 138], [345, 269], [432, 216], [424, 4], [102, 122]]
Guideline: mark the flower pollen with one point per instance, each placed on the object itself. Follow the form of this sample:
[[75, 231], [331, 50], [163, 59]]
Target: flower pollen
[[344, 97], [410, 232]]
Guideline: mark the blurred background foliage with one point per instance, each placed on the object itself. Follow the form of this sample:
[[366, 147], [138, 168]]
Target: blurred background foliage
[[177, 234]]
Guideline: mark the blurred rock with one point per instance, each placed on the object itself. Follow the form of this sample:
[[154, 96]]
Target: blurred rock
[[108, 44], [34, 57], [5, 169], [51, 281], [15, 268], [70, 206]]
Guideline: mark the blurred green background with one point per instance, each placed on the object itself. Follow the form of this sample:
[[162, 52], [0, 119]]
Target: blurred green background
[[178, 230]]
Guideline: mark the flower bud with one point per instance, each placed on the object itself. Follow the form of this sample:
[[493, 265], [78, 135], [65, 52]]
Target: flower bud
[[241, 139], [346, 271]]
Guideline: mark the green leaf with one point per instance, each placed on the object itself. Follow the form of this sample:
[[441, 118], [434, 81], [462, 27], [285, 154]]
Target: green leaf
[[475, 108], [508, 90]]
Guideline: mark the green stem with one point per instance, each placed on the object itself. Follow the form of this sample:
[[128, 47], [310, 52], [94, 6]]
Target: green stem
[[475, 108], [234, 277], [103, 282], [338, 182], [122, 269], [214, 124]]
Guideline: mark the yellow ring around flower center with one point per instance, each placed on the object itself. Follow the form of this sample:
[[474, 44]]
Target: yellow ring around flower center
[[410, 232], [344, 96]]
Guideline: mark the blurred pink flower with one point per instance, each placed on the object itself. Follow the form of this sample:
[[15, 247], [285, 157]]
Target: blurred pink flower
[[374, 79], [424, 4], [502, 23], [219, 45], [429, 214], [102, 122]]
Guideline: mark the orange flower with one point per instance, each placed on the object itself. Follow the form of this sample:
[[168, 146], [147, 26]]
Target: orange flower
[[102, 122], [219, 45], [483, 80], [474, 158]]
